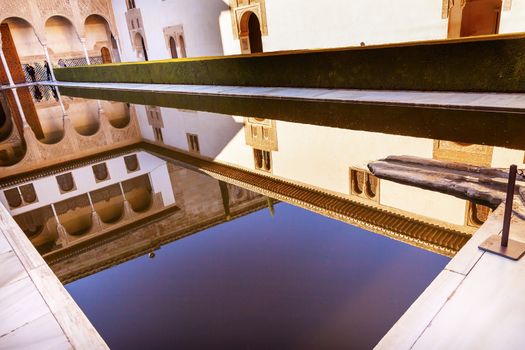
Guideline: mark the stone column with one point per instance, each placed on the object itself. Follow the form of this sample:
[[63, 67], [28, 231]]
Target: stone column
[[62, 233], [50, 64]]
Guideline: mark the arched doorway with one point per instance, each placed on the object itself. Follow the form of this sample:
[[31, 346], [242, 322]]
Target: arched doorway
[[173, 48], [480, 17], [140, 47], [251, 36], [255, 34], [106, 55], [476, 17]]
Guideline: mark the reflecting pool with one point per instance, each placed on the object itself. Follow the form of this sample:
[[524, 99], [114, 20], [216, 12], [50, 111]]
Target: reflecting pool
[[294, 280]]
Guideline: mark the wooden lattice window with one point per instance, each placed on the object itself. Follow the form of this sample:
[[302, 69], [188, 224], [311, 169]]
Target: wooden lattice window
[[132, 163], [100, 171]]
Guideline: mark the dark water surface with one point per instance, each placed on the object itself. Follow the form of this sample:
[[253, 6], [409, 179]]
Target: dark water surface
[[297, 280]]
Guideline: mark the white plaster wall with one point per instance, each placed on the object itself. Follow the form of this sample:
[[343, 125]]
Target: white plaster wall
[[160, 182], [309, 24], [199, 18], [422, 202], [514, 19], [504, 157], [142, 117]]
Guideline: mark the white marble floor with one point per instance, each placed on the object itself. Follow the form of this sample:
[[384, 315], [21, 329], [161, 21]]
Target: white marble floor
[[36, 312], [477, 302]]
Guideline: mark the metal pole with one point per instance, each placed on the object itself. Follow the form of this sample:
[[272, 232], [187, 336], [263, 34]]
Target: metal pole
[[83, 42], [508, 205]]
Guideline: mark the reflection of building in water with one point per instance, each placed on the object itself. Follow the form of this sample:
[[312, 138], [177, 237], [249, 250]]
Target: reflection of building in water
[[110, 210], [335, 161]]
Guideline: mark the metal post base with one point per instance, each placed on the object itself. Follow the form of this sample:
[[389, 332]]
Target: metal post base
[[514, 250]]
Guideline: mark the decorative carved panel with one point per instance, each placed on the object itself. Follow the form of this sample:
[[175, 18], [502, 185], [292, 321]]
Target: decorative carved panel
[[463, 153]]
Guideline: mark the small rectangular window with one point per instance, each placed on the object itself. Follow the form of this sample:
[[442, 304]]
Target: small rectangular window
[[262, 159], [193, 143], [157, 133]]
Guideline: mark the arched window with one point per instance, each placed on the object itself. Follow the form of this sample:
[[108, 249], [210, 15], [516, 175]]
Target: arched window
[[258, 157], [13, 197], [371, 185], [106, 55], [173, 48], [100, 171], [357, 181], [66, 182], [28, 193], [477, 214], [132, 163], [182, 46]]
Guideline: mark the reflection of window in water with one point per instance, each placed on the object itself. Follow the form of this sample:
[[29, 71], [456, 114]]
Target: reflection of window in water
[[193, 143], [100, 171], [65, 182], [157, 132], [477, 214], [263, 159], [363, 184], [132, 163]]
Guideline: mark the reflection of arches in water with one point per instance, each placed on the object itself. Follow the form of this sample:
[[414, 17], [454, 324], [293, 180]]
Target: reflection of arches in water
[[138, 193], [117, 113], [358, 180], [85, 117], [39, 225], [75, 214], [108, 203], [371, 185]]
